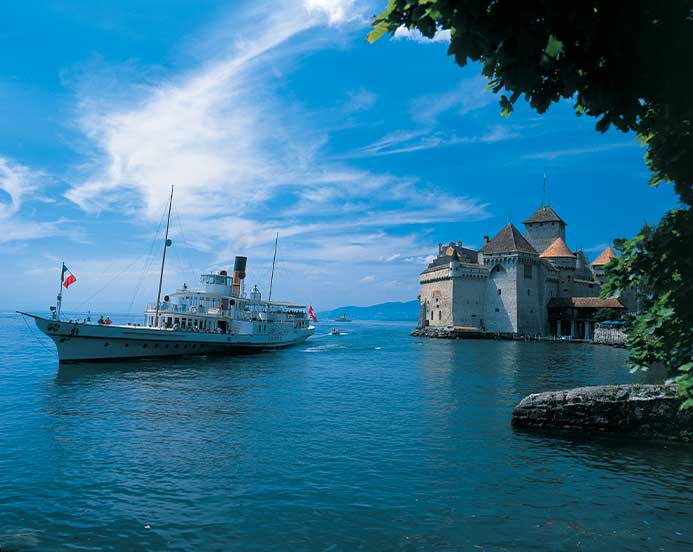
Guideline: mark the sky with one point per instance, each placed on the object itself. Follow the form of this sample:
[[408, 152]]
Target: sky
[[271, 116]]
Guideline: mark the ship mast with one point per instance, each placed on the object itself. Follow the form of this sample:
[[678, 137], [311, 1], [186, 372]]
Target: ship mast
[[163, 260], [274, 260]]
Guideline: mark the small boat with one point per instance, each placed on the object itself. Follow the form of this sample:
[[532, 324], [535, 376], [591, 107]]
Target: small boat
[[217, 317], [334, 331], [343, 318]]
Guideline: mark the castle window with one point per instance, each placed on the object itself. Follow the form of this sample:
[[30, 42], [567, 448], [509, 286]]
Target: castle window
[[528, 270], [497, 310], [440, 315], [529, 292]]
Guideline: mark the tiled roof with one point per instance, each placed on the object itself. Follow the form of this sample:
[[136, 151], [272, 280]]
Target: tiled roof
[[585, 302], [604, 257], [508, 240], [558, 249], [544, 214]]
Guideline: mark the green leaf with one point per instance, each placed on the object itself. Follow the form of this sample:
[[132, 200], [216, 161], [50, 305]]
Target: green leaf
[[379, 30], [553, 47]]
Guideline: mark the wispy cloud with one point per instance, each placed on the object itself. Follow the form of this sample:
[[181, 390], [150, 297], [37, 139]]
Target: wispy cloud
[[19, 183], [573, 152], [468, 96], [407, 141]]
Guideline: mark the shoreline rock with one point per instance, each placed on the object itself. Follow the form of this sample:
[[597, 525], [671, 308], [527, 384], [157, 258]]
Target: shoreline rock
[[645, 411]]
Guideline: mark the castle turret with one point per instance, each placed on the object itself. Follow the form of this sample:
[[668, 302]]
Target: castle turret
[[599, 264], [565, 261], [559, 254], [543, 228]]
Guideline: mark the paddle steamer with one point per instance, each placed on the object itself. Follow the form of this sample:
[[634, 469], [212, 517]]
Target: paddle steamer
[[218, 317]]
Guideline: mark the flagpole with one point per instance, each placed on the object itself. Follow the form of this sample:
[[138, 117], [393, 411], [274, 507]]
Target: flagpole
[[274, 260], [163, 260], [60, 289]]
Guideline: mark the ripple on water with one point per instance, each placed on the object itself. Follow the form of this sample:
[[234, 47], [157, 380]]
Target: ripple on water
[[381, 441]]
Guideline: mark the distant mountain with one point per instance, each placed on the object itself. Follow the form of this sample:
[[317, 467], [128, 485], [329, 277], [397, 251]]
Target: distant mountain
[[384, 311]]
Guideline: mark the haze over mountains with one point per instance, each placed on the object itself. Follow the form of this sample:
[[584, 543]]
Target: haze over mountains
[[395, 310]]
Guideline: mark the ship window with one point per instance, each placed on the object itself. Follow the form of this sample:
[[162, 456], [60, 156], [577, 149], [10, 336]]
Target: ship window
[[499, 291], [497, 310], [127, 344], [529, 292], [105, 344], [144, 345]]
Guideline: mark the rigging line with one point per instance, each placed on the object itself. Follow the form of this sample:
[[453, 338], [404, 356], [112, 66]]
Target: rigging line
[[184, 256], [35, 336], [149, 258], [116, 275], [145, 270]]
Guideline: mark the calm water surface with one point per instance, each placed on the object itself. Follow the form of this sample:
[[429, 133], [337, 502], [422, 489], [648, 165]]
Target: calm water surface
[[372, 440]]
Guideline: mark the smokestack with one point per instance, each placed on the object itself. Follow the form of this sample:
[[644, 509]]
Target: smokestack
[[238, 274]]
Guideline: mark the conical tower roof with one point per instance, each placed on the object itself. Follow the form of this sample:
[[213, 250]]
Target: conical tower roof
[[558, 249], [604, 257], [544, 214], [508, 240]]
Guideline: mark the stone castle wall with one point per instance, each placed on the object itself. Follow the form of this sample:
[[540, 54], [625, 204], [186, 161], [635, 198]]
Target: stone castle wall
[[469, 307], [542, 234], [501, 295], [437, 298]]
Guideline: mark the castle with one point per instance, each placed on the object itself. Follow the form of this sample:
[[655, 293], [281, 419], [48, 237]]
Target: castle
[[530, 284]]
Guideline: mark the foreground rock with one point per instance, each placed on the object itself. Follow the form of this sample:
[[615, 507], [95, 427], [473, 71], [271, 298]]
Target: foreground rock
[[648, 411]]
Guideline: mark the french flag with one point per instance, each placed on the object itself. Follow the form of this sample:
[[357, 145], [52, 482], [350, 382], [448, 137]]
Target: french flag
[[71, 279]]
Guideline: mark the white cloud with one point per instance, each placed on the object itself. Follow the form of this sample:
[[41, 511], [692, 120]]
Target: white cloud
[[19, 183], [402, 33], [367, 279], [16, 181], [337, 11]]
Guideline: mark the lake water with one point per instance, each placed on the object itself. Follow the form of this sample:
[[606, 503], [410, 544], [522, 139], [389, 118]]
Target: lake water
[[372, 440]]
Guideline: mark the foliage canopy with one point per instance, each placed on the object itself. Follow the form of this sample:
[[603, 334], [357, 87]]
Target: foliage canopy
[[629, 64]]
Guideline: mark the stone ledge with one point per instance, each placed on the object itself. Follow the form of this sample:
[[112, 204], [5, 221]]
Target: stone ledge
[[647, 411]]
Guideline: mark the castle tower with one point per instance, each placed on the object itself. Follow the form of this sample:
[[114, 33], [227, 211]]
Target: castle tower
[[543, 228], [514, 301]]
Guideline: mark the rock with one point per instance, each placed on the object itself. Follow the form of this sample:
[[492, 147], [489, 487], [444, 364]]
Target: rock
[[648, 411]]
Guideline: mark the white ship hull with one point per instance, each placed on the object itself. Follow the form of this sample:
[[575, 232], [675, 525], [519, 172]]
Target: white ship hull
[[76, 341]]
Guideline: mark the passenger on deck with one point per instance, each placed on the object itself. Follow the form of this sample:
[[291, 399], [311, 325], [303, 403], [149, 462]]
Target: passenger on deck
[[100, 320], [107, 321]]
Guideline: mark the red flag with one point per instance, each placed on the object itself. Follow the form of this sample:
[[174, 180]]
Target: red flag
[[311, 313], [67, 282]]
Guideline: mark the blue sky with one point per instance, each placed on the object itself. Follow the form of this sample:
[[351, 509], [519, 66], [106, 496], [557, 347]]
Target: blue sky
[[271, 116]]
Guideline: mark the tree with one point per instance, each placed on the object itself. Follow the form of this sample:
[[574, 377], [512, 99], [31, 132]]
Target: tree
[[628, 64]]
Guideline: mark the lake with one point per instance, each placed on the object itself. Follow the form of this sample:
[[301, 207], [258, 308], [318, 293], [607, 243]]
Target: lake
[[371, 440]]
